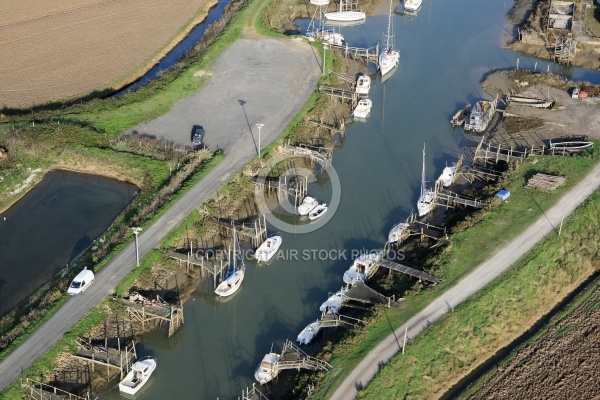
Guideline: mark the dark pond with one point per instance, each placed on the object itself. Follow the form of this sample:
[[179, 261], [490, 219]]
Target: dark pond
[[53, 223]]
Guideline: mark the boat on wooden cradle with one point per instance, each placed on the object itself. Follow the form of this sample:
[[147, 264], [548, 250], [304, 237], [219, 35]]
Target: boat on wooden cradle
[[309, 332], [346, 13], [461, 116], [389, 58], [574, 145], [448, 176], [531, 101], [308, 204], [412, 5], [267, 369], [317, 212], [328, 36], [363, 84], [232, 282], [427, 196], [363, 268], [334, 302], [397, 232], [480, 116], [362, 109], [137, 377], [267, 249]]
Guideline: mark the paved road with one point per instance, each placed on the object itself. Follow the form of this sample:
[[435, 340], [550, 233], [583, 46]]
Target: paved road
[[469, 285], [272, 98]]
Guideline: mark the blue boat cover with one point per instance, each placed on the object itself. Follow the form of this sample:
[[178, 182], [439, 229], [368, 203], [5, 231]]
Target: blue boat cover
[[503, 194]]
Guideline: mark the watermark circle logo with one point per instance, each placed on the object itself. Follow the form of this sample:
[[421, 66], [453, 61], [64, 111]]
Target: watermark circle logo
[[285, 166]]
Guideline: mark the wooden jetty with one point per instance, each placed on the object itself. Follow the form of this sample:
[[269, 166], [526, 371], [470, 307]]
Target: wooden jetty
[[413, 227], [330, 320], [421, 275], [252, 394], [256, 231], [292, 357], [362, 293], [105, 357], [345, 95], [449, 199], [365, 54], [156, 312], [42, 391]]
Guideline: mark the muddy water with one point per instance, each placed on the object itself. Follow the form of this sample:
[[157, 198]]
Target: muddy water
[[52, 224], [445, 50]]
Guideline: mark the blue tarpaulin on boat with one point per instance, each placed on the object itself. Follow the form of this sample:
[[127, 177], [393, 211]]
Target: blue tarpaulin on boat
[[503, 194]]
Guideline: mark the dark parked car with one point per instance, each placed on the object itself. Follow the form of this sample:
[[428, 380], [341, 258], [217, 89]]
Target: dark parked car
[[197, 135]]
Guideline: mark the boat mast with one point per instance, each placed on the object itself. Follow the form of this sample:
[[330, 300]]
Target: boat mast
[[423, 190], [387, 36]]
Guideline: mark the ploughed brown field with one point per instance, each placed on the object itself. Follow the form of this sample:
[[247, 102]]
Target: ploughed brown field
[[562, 364], [57, 49]]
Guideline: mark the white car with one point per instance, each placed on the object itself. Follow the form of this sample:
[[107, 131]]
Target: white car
[[81, 282]]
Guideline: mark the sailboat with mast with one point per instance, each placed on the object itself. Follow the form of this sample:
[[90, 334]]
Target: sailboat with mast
[[232, 282], [427, 197], [390, 57]]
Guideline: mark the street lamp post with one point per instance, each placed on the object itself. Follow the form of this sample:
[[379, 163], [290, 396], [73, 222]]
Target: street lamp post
[[259, 127], [136, 231]]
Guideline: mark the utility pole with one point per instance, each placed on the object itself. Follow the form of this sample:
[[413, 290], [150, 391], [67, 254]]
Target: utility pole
[[136, 231]]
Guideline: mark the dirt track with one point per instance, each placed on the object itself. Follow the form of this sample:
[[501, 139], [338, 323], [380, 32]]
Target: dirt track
[[563, 364]]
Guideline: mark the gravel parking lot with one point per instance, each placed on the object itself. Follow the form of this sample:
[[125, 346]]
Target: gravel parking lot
[[262, 81]]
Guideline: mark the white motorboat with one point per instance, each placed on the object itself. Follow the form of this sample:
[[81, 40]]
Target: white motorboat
[[448, 176], [138, 375], [317, 212], [308, 204], [426, 199], [389, 58], [267, 369], [412, 5], [346, 13], [480, 116], [267, 249], [334, 302], [232, 282], [309, 332], [363, 84], [397, 232], [362, 109], [363, 268]]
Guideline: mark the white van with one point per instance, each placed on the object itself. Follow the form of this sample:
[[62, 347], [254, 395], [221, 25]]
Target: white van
[[81, 282]]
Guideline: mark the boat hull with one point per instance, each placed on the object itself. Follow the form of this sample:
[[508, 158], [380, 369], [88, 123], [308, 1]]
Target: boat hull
[[412, 5], [345, 16], [388, 61], [231, 284]]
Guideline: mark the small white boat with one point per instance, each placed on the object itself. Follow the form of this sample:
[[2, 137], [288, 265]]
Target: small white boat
[[363, 108], [363, 268], [319, 2], [138, 375], [267, 249], [448, 176], [531, 101], [334, 302], [363, 84], [317, 212], [397, 232], [345, 16], [346, 13], [232, 282], [309, 333], [389, 58], [412, 5], [426, 199], [267, 369], [574, 145], [461, 116], [308, 204]]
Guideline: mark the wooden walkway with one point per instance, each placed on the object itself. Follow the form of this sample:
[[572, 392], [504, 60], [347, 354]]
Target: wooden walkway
[[346, 95], [156, 312], [364, 294], [43, 391], [449, 199], [105, 357], [367, 54], [292, 357], [422, 275]]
